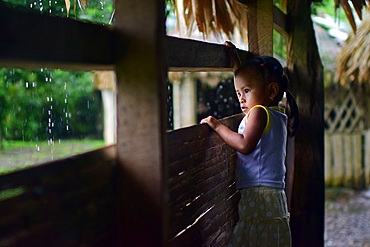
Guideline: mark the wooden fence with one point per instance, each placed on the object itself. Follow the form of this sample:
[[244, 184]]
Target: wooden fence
[[347, 139], [72, 202], [347, 159]]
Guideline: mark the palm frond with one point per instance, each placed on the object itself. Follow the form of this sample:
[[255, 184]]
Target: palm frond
[[215, 17], [353, 63], [357, 5]]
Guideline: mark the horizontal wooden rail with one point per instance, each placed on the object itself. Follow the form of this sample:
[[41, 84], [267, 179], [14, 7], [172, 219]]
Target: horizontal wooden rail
[[192, 55], [69, 202], [280, 21], [202, 194], [33, 40], [32, 175]]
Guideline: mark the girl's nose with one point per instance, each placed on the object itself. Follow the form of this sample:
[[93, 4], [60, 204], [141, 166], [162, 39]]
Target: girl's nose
[[241, 99]]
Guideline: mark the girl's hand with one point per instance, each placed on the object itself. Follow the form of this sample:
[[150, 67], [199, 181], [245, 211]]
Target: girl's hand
[[211, 121], [233, 54]]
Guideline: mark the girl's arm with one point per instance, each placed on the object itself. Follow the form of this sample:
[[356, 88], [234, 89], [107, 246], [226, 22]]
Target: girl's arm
[[244, 143]]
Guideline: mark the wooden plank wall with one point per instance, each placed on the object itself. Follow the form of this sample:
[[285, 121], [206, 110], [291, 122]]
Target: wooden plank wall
[[346, 163], [67, 203], [203, 200]]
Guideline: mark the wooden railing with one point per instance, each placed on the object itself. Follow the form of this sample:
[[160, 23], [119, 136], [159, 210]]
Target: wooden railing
[[203, 199], [69, 202]]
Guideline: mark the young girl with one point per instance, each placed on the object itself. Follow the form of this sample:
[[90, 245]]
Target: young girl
[[261, 148]]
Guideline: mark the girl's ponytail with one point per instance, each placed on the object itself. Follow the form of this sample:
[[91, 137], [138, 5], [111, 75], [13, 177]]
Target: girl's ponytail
[[293, 115]]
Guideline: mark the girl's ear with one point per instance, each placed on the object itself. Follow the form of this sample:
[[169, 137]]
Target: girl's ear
[[273, 90]]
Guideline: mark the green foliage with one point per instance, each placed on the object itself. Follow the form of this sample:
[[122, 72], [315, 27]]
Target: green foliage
[[18, 155], [279, 45], [48, 104], [326, 7]]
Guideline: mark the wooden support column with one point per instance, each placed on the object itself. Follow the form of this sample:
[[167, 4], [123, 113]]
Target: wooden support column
[[141, 133], [260, 27], [185, 102], [306, 83]]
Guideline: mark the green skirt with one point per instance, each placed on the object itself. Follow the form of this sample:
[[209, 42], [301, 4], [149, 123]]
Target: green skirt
[[263, 219]]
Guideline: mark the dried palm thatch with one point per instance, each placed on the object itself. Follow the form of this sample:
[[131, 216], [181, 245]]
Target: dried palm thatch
[[357, 5], [81, 3], [353, 63], [214, 17]]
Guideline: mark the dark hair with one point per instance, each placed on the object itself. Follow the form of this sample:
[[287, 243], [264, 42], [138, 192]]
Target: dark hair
[[271, 70]]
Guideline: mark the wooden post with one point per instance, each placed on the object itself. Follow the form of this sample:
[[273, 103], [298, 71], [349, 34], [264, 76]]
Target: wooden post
[[358, 169], [260, 27], [306, 83], [367, 158], [338, 166], [348, 177], [328, 159], [141, 130], [185, 102]]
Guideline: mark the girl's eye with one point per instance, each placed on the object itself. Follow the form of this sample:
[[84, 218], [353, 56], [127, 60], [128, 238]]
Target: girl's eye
[[238, 94], [247, 90]]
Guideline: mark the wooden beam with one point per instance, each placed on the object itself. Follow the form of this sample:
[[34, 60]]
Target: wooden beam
[[142, 195], [280, 21], [260, 27], [192, 55], [305, 74], [32, 40]]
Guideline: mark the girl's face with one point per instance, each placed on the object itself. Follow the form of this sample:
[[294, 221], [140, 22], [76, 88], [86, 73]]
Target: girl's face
[[251, 90]]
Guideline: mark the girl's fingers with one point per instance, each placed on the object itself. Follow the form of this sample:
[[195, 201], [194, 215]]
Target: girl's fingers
[[233, 54]]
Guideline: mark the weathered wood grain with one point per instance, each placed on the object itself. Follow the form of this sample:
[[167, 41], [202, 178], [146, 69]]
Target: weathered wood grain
[[68, 202], [260, 27], [31, 40]]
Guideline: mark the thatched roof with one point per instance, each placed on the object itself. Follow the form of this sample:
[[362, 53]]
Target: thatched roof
[[213, 17], [353, 63], [346, 6]]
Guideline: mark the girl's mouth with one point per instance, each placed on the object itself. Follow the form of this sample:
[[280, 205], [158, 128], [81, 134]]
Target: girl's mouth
[[244, 109]]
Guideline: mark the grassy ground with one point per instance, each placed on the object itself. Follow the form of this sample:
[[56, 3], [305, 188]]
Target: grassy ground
[[16, 155]]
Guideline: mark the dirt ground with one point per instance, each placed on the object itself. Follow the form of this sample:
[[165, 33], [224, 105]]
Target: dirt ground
[[347, 218]]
